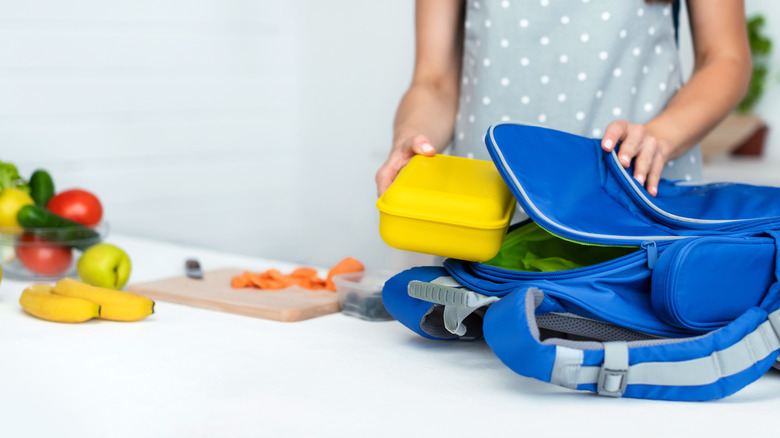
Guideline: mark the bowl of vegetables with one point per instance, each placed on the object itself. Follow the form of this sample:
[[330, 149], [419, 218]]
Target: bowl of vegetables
[[42, 232], [45, 253]]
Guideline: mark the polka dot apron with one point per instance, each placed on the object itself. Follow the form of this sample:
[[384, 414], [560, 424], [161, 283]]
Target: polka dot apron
[[571, 65]]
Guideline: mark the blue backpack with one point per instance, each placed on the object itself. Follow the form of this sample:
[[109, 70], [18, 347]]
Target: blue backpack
[[607, 289]]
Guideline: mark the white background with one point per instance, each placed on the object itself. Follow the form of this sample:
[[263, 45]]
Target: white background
[[250, 126]]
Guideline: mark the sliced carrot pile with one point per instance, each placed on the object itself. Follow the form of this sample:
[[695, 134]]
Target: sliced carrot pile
[[304, 277]]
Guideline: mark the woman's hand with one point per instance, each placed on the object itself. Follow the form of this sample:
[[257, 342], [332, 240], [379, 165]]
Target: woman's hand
[[399, 157], [647, 152], [720, 78]]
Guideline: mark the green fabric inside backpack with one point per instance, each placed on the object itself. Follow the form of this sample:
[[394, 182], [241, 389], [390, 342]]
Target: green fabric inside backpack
[[531, 248]]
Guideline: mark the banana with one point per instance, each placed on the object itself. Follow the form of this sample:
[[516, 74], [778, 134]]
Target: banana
[[115, 305], [39, 301]]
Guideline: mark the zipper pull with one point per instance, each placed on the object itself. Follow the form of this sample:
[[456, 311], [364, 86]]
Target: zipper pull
[[652, 252]]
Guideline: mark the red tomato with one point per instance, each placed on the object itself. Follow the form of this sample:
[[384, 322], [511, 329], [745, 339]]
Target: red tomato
[[43, 257], [77, 205]]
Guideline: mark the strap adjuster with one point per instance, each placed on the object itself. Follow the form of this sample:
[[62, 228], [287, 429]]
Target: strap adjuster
[[613, 375], [612, 383]]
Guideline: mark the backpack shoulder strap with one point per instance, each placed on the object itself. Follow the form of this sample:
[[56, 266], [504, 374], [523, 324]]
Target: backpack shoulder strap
[[705, 367]]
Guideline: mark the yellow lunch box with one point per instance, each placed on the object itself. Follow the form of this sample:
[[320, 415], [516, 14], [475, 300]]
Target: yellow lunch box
[[447, 206]]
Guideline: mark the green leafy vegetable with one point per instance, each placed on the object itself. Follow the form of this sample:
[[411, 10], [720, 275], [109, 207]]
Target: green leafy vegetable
[[10, 178]]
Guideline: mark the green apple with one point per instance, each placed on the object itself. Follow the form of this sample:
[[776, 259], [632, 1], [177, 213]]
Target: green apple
[[104, 265]]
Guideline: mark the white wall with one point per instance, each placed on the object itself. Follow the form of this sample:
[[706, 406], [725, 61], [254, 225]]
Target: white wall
[[362, 53], [251, 126]]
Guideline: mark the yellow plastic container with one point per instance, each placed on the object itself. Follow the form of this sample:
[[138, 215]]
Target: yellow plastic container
[[447, 206]]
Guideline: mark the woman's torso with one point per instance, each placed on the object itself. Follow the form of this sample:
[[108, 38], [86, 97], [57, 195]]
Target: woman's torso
[[571, 65]]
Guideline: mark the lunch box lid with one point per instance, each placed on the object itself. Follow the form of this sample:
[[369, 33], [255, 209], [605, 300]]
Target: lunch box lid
[[451, 190]]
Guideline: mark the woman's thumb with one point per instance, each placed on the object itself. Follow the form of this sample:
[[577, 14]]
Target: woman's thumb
[[422, 146]]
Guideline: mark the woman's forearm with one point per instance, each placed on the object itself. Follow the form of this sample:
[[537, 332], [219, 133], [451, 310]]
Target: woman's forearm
[[722, 69], [425, 118], [428, 110], [712, 92]]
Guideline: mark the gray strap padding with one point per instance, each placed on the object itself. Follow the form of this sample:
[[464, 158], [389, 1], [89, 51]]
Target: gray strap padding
[[754, 347], [613, 376], [566, 368], [458, 302]]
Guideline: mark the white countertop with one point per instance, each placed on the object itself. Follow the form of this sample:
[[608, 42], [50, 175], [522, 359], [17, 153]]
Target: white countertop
[[191, 372]]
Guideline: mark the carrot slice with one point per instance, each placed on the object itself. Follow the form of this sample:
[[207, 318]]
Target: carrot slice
[[273, 274], [318, 283], [304, 273], [240, 282], [254, 279], [348, 264], [304, 282]]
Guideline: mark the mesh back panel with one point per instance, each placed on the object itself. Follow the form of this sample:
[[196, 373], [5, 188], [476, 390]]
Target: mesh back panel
[[576, 327]]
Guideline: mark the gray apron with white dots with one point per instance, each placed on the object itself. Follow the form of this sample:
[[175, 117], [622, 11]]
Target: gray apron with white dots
[[570, 65]]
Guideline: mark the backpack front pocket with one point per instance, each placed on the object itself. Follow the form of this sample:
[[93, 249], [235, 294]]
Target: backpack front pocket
[[702, 284]]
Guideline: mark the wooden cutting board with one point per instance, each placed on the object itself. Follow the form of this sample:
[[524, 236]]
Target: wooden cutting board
[[214, 292]]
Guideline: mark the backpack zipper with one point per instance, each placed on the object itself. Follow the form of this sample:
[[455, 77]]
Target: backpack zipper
[[652, 252]]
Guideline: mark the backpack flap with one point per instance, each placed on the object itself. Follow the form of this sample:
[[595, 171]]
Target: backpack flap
[[703, 284], [574, 189], [716, 207], [550, 174]]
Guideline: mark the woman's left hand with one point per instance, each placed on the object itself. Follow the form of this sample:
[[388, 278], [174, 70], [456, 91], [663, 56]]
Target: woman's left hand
[[646, 151]]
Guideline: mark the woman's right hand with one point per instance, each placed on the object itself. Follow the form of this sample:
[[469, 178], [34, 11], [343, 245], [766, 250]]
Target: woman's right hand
[[400, 155]]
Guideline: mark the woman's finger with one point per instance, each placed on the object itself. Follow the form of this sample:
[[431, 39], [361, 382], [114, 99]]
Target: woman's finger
[[631, 144], [422, 146], [644, 160], [383, 179], [613, 133], [399, 158], [654, 176]]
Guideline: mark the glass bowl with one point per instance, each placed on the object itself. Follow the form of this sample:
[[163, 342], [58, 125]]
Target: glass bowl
[[45, 254], [360, 294]]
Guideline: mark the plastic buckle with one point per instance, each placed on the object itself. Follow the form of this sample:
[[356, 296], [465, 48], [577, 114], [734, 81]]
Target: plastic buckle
[[612, 383], [458, 303]]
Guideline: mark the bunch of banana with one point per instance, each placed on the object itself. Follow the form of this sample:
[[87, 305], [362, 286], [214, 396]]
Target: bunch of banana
[[38, 300], [73, 301]]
